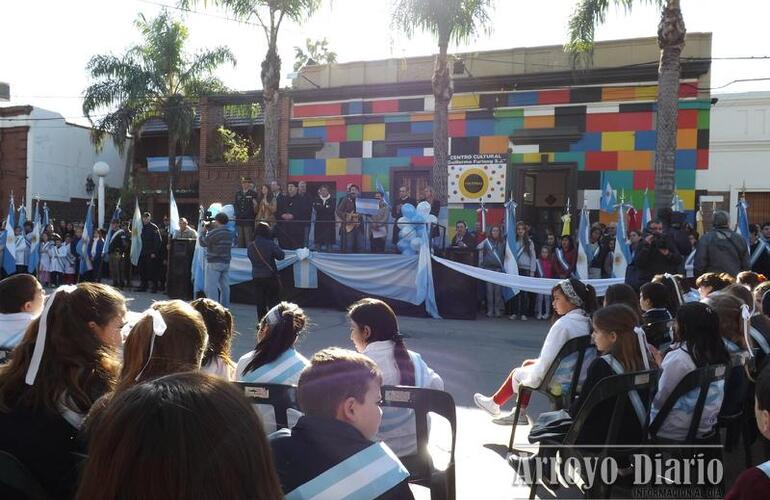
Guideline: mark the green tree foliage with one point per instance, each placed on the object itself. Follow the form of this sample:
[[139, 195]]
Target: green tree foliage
[[315, 52]]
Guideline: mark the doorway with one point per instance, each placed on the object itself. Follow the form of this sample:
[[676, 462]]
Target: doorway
[[414, 179], [541, 192]]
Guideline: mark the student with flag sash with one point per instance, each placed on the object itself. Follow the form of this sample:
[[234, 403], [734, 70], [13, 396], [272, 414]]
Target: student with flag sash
[[44, 268], [492, 258], [22, 250], [117, 248], [565, 258], [545, 269], [526, 260], [374, 332], [326, 453], [759, 253]]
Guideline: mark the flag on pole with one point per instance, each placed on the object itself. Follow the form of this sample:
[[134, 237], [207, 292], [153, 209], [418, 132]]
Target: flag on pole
[[9, 252], [483, 211], [677, 204], [88, 234], [583, 259], [608, 201], [108, 238], [22, 216], [136, 235], [743, 219], [622, 254], [511, 247], [646, 214], [198, 272], [381, 190], [34, 242], [45, 214], [173, 213]]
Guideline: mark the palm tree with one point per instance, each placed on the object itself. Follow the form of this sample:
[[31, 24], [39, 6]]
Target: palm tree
[[315, 52], [671, 39], [269, 15], [153, 80], [449, 21]]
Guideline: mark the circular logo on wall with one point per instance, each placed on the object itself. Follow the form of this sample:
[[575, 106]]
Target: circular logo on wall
[[473, 183]]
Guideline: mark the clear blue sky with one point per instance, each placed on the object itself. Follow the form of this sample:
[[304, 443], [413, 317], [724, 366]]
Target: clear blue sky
[[46, 43]]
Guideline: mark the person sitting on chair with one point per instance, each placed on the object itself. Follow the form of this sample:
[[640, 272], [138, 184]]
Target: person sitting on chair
[[656, 317], [21, 301], [329, 447]]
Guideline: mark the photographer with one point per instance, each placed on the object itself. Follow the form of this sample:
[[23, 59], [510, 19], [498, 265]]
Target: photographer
[[656, 254], [218, 240]]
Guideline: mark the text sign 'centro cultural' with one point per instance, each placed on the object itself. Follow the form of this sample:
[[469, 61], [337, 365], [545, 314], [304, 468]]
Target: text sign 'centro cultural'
[[477, 177]]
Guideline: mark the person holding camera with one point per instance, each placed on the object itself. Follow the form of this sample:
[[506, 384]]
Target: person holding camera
[[656, 254], [218, 240]]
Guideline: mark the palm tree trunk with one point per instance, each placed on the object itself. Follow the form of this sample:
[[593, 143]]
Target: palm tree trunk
[[172, 164], [271, 76], [671, 38], [442, 92]]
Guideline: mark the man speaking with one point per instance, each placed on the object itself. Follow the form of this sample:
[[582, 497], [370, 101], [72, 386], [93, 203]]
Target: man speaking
[[218, 240]]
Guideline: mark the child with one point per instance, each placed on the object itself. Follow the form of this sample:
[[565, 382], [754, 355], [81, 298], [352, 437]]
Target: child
[[656, 318], [755, 482], [21, 301], [181, 436], [219, 326], [566, 258], [327, 450], [622, 293], [750, 279], [712, 282], [22, 251], [526, 260], [492, 258], [44, 270], [67, 261], [545, 269], [374, 332], [57, 264]]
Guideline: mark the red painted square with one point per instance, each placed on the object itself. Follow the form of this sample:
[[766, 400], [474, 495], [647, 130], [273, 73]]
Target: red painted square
[[553, 96], [689, 89], [336, 133], [601, 160], [422, 161], [386, 106], [688, 118], [702, 160], [328, 109], [635, 121], [456, 128], [644, 179], [602, 122]]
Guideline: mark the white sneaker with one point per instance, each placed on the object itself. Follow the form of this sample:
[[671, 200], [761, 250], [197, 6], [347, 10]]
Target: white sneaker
[[523, 318], [487, 404], [513, 316], [508, 419]]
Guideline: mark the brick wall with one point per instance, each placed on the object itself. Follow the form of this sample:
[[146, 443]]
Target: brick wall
[[13, 165]]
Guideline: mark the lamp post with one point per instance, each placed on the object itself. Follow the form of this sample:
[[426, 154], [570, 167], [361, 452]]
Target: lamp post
[[101, 169]]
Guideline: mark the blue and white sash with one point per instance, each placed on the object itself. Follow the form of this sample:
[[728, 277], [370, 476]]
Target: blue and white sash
[[368, 474], [765, 468], [494, 252], [562, 260], [689, 265], [636, 401], [758, 251], [519, 252], [284, 370], [394, 418], [539, 268], [760, 340]]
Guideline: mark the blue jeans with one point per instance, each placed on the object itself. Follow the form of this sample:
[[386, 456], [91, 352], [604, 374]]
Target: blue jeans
[[354, 241], [217, 282]]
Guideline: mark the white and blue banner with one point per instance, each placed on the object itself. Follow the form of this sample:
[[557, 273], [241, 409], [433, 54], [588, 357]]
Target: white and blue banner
[[173, 212], [199, 260], [622, 255], [159, 164], [88, 233], [583, 259], [108, 238], [743, 220], [608, 200], [9, 252], [34, 243], [367, 206], [510, 265]]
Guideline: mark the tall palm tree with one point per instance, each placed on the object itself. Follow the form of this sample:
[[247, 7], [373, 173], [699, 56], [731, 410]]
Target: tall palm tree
[[449, 21], [155, 79], [269, 15], [671, 38]]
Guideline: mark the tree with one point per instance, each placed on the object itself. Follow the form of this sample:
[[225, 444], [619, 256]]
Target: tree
[[671, 38], [314, 53], [153, 80], [449, 21], [269, 15]]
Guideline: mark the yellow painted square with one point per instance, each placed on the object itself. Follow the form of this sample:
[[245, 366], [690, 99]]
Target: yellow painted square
[[336, 166], [547, 121], [687, 138], [374, 132], [688, 198], [618, 94], [314, 123], [648, 93], [536, 157], [617, 141], [464, 101]]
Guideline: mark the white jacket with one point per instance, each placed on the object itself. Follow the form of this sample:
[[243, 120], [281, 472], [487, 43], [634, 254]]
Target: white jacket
[[398, 426], [45, 255], [12, 328], [219, 368]]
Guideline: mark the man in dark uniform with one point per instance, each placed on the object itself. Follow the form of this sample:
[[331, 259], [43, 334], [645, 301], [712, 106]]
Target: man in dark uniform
[[246, 201], [117, 248], [148, 259], [324, 205], [305, 210], [290, 233]]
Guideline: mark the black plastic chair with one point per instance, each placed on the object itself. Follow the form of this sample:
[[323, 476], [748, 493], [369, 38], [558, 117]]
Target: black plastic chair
[[15, 476], [618, 387], [424, 401], [580, 346], [280, 397], [733, 416]]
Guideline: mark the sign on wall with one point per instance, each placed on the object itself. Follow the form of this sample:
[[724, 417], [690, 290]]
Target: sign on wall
[[473, 178]]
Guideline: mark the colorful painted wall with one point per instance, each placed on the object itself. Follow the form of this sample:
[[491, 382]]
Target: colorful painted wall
[[361, 140]]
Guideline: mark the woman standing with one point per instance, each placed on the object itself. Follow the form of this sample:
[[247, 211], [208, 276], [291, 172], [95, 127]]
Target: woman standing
[[267, 205], [566, 258], [263, 252], [526, 260], [492, 257]]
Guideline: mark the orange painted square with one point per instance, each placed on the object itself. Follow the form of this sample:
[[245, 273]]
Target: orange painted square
[[618, 94], [687, 138], [548, 121], [635, 160], [491, 144]]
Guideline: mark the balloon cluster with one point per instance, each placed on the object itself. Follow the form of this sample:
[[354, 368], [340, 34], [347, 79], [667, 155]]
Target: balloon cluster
[[413, 227], [228, 210]]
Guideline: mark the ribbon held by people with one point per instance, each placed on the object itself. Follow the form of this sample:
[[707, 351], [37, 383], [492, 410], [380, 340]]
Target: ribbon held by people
[[414, 227]]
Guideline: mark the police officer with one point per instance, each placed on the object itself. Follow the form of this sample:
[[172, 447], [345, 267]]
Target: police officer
[[148, 259], [117, 248], [246, 201]]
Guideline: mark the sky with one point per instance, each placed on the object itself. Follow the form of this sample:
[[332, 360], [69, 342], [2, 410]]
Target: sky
[[46, 44]]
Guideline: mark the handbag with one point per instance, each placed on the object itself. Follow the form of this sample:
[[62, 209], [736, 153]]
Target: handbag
[[550, 426], [274, 271]]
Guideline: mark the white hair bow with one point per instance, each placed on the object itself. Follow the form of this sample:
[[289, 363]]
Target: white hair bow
[[746, 317], [158, 329], [642, 338], [42, 329]]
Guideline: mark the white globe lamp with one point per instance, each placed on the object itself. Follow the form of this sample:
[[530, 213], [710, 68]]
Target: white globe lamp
[[100, 170]]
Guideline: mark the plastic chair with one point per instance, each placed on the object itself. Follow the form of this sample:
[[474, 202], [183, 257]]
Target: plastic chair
[[15, 476], [280, 397], [424, 401], [579, 347], [618, 387], [733, 416]]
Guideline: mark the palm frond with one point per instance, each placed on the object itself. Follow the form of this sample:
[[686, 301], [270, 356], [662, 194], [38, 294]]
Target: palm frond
[[449, 20]]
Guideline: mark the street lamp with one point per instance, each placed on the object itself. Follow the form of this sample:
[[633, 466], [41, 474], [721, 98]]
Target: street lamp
[[101, 169]]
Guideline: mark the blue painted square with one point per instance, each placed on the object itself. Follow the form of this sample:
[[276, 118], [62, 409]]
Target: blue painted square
[[422, 127], [621, 181], [316, 132], [477, 128], [591, 141], [410, 152], [315, 167], [397, 118], [684, 179], [522, 99], [355, 107], [296, 167], [645, 140], [686, 158]]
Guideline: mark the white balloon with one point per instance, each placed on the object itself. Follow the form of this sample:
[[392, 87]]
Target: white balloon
[[423, 208], [407, 232], [415, 244], [229, 210], [431, 219], [402, 222]]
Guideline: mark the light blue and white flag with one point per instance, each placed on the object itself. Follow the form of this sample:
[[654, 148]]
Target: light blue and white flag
[[108, 238], [381, 190], [136, 235], [584, 232], [510, 266], [88, 234], [9, 252], [622, 254], [646, 214], [198, 270], [173, 213], [677, 204], [34, 242], [22, 216], [367, 206], [45, 215], [743, 220], [608, 200]]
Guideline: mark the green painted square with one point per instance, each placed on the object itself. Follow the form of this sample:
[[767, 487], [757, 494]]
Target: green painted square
[[355, 132], [381, 166], [684, 179], [704, 119], [577, 157], [456, 214], [694, 104], [397, 118], [506, 126], [637, 200], [509, 113], [620, 181], [296, 167], [517, 158]]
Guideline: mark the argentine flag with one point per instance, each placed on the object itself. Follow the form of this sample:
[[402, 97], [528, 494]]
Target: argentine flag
[[622, 255], [198, 271], [582, 250], [173, 214], [88, 234], [743, 220], [646, 214], [108, 238], [511, 247], [45, 214], [22, 216], [608, 200], [136, 235], [9, 253], [34, 243]]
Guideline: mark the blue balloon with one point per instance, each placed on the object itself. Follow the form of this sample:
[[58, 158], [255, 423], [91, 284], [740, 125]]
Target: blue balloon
[[408, 252], [408, 211], [403, 245]]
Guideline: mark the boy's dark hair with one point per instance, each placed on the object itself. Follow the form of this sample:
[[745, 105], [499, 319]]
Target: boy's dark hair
[[657, 294], [334, 375], [762, 391], [263, 229], [222, 218], [717, 281], [15, 291]]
